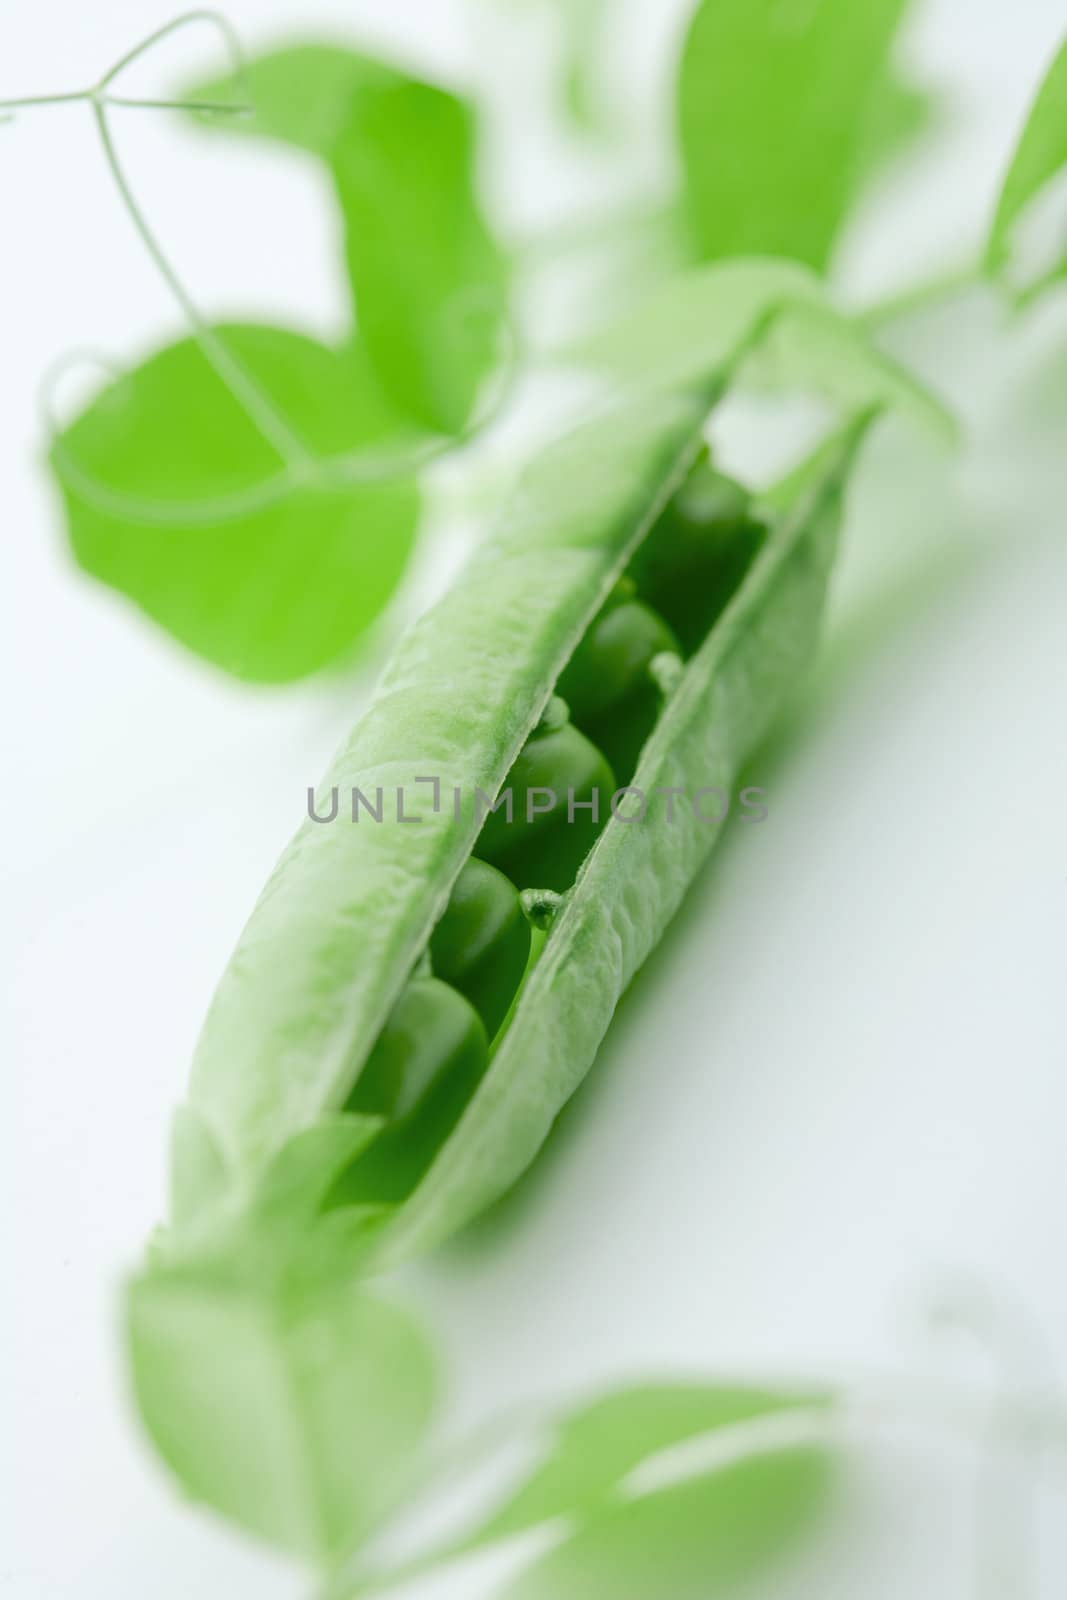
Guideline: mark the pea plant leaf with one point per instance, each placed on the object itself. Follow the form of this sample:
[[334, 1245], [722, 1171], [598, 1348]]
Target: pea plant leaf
[[175, 497], [1040, 158], [780, 104], [690, 1540], [279, 1392], [428, 281], [594, 1464], [696, 320], [594, 1448]]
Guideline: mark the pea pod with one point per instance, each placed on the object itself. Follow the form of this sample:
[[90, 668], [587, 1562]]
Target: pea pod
[[346, 1110], [351, 905]]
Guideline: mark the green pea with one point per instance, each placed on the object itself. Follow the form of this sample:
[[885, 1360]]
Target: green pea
[[708, 496], [421, 1073], [610, 665], [696, 555], [561, 788], [607, 683], [482, 942]]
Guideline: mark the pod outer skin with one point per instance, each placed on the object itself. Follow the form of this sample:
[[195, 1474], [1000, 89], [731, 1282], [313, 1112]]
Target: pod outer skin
[[335, 932], [634, 880]]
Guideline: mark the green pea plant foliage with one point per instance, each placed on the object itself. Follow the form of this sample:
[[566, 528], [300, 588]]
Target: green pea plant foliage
[[783, 105], [654, 1488], [311, 1394], [428, 281], [257, 494], [597, 1446], [252, 491], [702, 1535], [174, 497], [1040, 160]]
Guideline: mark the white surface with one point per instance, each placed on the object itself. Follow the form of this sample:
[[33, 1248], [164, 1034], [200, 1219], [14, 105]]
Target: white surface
[[845, 1071]]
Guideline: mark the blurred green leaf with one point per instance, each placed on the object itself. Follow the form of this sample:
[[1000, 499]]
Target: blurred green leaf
[[1040, 156], [691, 1541], [429, 283], [776, 103], [174, 497], [290, 1401], [590, 1464], [595, 1447], [898, 115], [697, 320]]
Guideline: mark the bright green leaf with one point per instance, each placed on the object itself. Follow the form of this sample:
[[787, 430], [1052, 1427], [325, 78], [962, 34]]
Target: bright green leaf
[[293, 1404], [301, 96], [1040, 156], [775, 107], [428, 285], [691, 1541], [176, 498], [619, 1449], [429, 282], [594, 1448]]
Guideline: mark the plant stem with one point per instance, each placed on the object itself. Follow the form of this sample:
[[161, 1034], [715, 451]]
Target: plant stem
[[30, 102], [213, 108], [214, 19], [273, 426]]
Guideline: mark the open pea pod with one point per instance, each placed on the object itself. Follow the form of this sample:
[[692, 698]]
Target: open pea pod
[[351, 905], [633, 580], [349, 1036], [341, 999], [426, 977]]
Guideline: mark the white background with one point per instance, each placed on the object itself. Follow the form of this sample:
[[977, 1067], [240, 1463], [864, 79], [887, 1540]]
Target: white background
[[843, 1079]]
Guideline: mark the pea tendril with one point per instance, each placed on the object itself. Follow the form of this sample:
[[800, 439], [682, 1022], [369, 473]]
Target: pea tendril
[[300, 468]]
